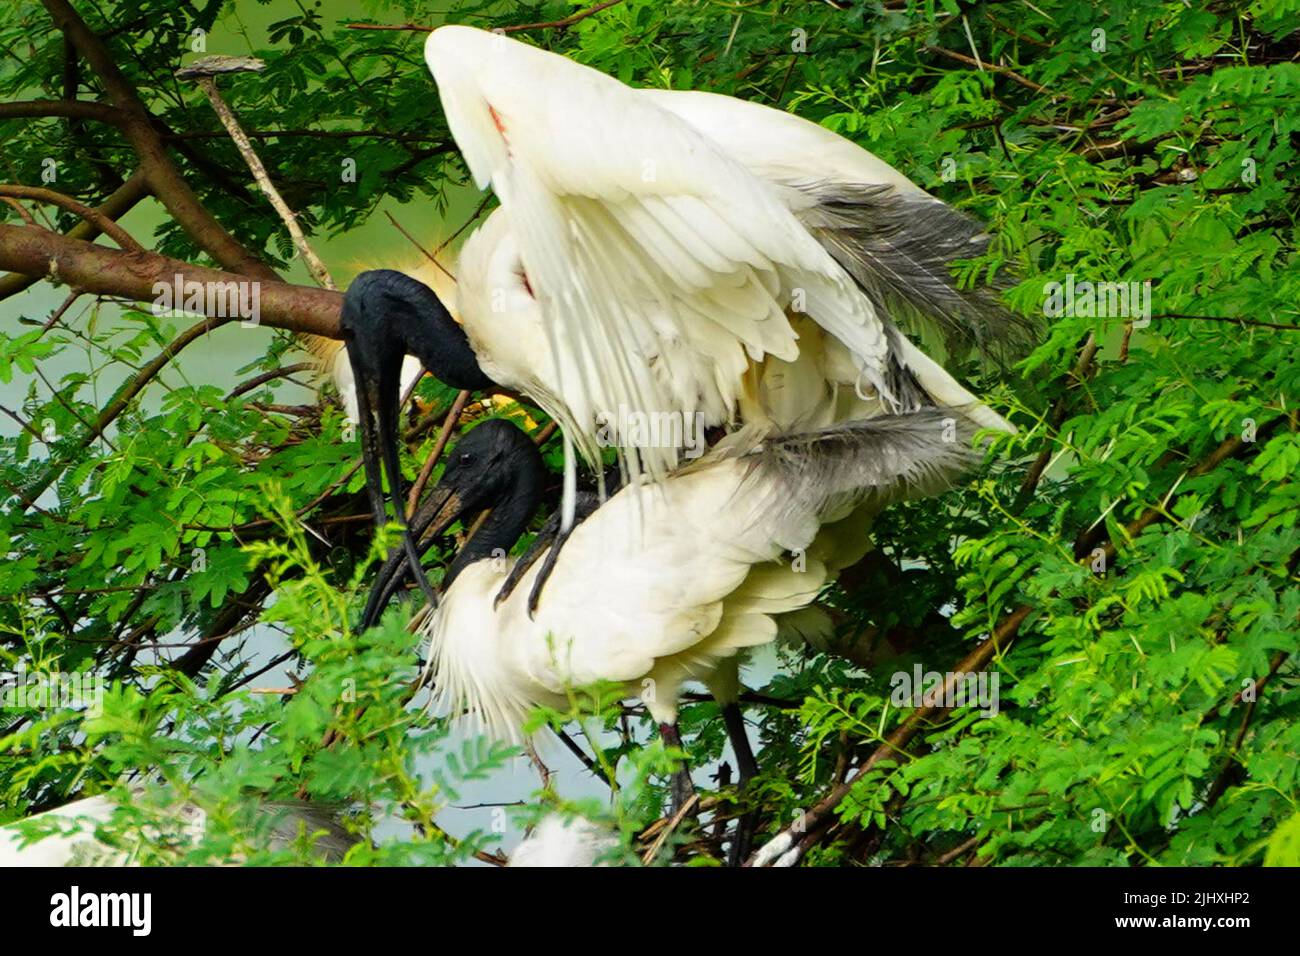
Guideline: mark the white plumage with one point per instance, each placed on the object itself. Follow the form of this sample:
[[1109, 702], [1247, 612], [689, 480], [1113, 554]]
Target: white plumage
[[669, 582], [661, 265], [688, 253], [67, 834], [557, 842]]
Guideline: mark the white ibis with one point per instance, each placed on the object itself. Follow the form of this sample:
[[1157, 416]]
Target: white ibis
[[666, 252], [67, 835]]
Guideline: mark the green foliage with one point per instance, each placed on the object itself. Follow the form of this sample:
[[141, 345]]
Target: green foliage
[[149, 536]]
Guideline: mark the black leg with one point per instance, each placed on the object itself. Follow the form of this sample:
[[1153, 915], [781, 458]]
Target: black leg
[[734, 720]]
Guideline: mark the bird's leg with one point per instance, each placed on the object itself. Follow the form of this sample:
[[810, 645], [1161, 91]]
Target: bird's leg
[[682, 786], [549, 539], [734, 721]]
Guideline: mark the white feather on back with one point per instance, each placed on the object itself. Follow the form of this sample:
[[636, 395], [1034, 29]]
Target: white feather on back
[[658, 584], [643, 241], [556, 841]]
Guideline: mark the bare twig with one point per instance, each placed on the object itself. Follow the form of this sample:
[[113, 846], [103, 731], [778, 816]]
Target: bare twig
[[1005, 71], [206, 80], [120, 202], [93, 216], [448, 424], [413, 241], [673, 824], [21, 210], [516, 28]]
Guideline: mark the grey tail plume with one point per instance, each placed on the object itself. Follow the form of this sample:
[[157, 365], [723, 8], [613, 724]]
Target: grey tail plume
[[898, 247], [888, 458]]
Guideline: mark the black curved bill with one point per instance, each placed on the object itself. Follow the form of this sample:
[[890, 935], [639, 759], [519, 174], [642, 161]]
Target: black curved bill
[[379, 450], [440, 511]]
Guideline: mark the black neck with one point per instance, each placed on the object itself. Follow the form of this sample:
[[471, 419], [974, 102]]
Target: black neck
[[442, 347]]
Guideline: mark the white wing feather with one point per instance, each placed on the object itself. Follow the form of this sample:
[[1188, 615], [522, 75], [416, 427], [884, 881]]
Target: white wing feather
[[642, 240]]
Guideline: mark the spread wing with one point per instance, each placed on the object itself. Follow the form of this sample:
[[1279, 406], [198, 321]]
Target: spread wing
[[642, 241]]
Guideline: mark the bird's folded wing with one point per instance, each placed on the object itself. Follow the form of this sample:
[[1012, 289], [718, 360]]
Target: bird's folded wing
[[645, 244]]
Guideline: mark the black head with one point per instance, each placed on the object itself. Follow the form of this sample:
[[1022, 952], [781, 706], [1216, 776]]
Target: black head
[[494, 466], [387, 315], [491, 461]]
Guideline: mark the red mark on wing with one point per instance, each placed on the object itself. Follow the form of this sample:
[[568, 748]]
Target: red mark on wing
[[496, 120], [527, 285]]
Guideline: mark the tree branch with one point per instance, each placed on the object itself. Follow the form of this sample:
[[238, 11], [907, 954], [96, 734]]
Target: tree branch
[[73, 109], [314, 265], [115, 206], [103, 271], [93, 216]]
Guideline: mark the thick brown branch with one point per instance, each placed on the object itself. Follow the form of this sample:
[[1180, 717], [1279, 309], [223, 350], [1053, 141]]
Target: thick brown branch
[[133, 275], [74, 109], [93, 216], [115, 206]]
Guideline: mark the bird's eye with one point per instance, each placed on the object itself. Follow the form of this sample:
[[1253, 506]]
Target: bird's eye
[[466, 459]]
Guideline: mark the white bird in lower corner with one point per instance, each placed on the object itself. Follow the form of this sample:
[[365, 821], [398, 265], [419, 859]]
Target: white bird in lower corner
[[70, 835]]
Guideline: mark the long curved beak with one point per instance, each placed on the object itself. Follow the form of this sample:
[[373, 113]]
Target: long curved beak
[[440, 510], [379, 447]]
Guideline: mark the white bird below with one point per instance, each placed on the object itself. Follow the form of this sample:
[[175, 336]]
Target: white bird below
[[663, 583], [67, 835]]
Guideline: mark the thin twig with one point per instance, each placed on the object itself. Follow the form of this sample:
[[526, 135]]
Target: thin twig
[[245, 146], [1005, 71], [448, 424], [93, 216], [673, 823], [413, 241]]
